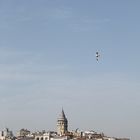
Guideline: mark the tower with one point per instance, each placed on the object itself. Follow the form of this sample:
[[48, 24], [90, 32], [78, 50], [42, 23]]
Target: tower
[[62, 124]]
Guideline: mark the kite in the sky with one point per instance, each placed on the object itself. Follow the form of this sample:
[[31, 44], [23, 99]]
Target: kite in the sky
[[97, 56]]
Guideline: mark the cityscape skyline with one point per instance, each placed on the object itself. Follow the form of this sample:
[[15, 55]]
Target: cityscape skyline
[[47, 61], [62, 133]]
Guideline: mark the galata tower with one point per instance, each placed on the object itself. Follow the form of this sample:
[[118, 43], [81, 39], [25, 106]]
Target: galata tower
[[62, 124]]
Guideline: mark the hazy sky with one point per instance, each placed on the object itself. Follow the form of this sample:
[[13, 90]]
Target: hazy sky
[[47, 61]]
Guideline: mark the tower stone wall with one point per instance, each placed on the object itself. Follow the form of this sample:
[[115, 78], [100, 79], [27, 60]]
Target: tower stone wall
[[62, 124]]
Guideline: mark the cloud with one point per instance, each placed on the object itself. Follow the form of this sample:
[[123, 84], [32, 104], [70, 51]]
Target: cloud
[[61, 13], [97, 21], [88, 24]]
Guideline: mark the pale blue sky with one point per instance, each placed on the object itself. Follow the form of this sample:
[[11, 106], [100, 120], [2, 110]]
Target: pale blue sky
[[47, 61]]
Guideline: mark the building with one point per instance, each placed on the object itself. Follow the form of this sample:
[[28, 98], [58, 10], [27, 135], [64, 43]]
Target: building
[[23, 133], [42, 136], [6, 135], [62, 124]]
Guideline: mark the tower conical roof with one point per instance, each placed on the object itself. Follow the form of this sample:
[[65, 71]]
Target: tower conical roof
[[62, 115]]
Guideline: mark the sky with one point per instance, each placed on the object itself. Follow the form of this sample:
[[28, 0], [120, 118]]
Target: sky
[[47, 62]]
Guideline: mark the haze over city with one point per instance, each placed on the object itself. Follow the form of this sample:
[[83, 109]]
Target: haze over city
[[47, 62]]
